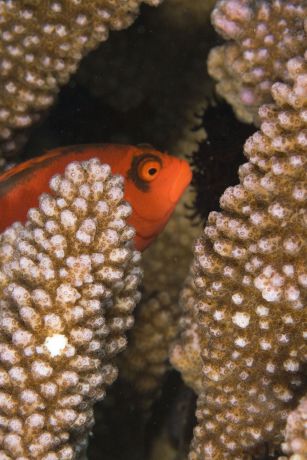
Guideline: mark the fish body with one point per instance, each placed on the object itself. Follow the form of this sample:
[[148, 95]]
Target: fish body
[[154, 182]]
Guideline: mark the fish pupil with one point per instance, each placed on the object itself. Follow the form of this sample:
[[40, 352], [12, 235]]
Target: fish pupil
[[152, 171]]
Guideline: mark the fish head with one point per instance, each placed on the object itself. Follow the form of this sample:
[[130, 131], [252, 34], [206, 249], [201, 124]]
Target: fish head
[[154, 184]]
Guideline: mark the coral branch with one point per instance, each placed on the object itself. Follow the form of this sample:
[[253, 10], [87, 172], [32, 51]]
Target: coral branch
[[249, 287], [68, 282], [262, 36], [41, 46], [185, 354]]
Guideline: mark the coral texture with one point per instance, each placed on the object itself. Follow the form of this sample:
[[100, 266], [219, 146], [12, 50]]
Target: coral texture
[[250, 277], [165, 265], [41, 46], [68, 282], [144, 362], [296, 433], [222, 152], [261, 36], [185, 354]]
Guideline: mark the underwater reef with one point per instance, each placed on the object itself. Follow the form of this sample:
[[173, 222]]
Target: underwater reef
[[42, 44], [204, 336], [248, 64]]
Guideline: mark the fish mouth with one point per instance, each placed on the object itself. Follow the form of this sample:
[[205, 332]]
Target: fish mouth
[[164, 218], [146, 237], [183, 178]]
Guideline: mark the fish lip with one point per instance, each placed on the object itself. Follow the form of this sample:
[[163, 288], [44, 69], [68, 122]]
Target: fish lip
[[184, 177]]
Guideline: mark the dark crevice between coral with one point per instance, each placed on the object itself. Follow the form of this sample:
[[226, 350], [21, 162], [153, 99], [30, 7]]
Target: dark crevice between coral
[[123, 431], [173, 415], [215, 165], [119, 430]]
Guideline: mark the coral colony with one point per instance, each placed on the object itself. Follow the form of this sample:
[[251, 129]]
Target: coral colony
[[225, 304], [32, 70], [247, 289], [248, 64], [68, 292]]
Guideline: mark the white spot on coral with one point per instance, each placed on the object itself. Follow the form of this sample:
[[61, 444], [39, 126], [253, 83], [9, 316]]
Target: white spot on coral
[[283, 338], [22, 338], [55, 344], [66, 294], [115, 194], [81, 20], [283, 394], [272, 294], [265, 344], [53, 322], [241, 342], [270, 367], [97, 258], [291, 245], [68, 219], [41, 369], [263, 324], [292, 293], [302, 279], [288, 270], [237, 298], [277, 210], [241, 319], [291, 365], [18, 374], [261, 310], [218, 315], [61, 30]]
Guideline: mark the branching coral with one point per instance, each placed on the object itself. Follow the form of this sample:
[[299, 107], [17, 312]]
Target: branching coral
[[296, 433], [250, 281], [240, 302], [262, 37], [68, 282], [41, 46]]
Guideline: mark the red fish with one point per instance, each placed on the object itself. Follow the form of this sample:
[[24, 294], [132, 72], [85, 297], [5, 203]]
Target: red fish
[[154, 183]]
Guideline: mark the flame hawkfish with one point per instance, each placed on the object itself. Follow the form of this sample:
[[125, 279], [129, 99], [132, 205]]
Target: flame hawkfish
[[154, 182]]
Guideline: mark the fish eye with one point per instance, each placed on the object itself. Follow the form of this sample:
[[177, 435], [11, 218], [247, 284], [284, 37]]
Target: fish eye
[[148, 169]]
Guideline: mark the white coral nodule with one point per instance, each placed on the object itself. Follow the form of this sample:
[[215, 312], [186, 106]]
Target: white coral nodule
[[64, 277]]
